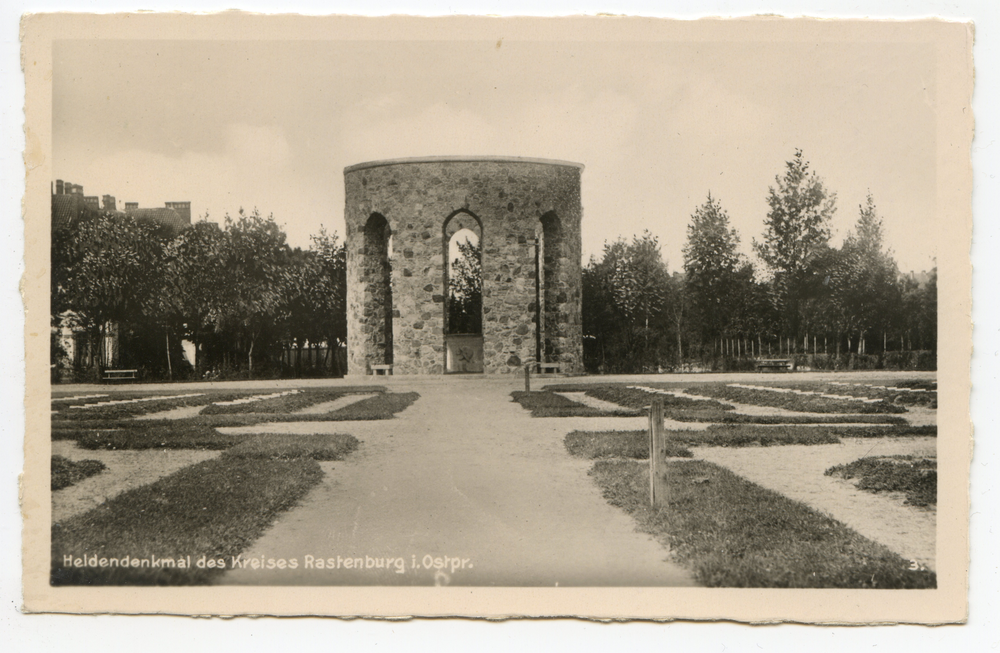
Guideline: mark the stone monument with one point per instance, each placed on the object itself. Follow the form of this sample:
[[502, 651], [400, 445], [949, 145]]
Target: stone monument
[[400, 218]]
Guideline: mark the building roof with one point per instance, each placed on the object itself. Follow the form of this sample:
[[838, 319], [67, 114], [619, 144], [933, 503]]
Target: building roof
[[162, 217], [67, 209]]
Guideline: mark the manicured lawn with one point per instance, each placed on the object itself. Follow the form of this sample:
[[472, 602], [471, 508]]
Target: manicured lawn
[[871, 390], [288, 446], [288, 403], [381, 406], [898, 431], [628, 397], [618, 444], [212, 510], [916, 477], [139, 435], [303, 398], [700, 410], [635, 444], [66, 472], [733, 533], [547, 404], [788, 401], [740, 418], [752, 435], [126, 410], [742, 435]]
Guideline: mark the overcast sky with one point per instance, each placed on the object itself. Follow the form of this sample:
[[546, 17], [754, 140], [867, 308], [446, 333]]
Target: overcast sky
[[658, 125]]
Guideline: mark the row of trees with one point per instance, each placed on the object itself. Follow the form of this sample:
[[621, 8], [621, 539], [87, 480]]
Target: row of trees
[[244, 297], [238, 292], [804, 297]]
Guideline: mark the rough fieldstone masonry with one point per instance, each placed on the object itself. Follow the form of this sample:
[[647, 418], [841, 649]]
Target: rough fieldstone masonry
[[400, 215]]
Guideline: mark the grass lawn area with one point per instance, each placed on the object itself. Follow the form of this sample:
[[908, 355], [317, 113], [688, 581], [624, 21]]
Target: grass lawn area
[[545, 403], [66, 411], [150, 435], [788, 401], [715, 436], [914, 476], [685, 409], [869, 391], [633, 398], [635, 444], [381, 406], [66, 472], [740, 418], [214, 509], [286, 403], [618, 444], [733, 533]]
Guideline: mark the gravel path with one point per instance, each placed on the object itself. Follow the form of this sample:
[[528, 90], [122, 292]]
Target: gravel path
[[463, 473], [796, 471], [125, 470]]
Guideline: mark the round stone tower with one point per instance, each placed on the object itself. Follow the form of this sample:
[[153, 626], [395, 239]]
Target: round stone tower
[[401, 216]]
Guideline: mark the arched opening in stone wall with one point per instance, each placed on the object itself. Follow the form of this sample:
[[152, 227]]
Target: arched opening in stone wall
[[550, 289], [463, 282], [377, 279]]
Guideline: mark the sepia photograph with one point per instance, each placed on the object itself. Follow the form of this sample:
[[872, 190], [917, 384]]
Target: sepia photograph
[[491, 317]]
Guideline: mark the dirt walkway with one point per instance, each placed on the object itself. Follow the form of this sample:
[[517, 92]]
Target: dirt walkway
[[463, 474]]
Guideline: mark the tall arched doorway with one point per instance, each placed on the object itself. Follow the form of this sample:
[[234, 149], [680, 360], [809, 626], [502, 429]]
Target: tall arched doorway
[[377, 279], [550, 289], [463, 306]]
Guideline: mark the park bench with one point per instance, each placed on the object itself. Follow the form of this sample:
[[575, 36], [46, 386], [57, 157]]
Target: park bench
[[385, 370], [774, 364], [548, 368], [120, 375]]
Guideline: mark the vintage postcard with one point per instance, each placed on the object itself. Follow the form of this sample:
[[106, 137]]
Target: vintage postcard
[[614, 318]]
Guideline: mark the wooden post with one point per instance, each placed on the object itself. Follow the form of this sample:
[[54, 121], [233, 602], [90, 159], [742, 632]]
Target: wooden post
[[170, 368], [527, 377], [658, 490]]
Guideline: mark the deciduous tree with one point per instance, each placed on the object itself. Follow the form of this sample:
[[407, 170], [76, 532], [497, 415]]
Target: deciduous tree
[[711, 261], [797, 231]]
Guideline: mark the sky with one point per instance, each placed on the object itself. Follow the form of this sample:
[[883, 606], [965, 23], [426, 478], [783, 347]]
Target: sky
[[658, 125]]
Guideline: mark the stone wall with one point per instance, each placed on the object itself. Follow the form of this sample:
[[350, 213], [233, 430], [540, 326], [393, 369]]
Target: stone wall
[[421, 200]]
